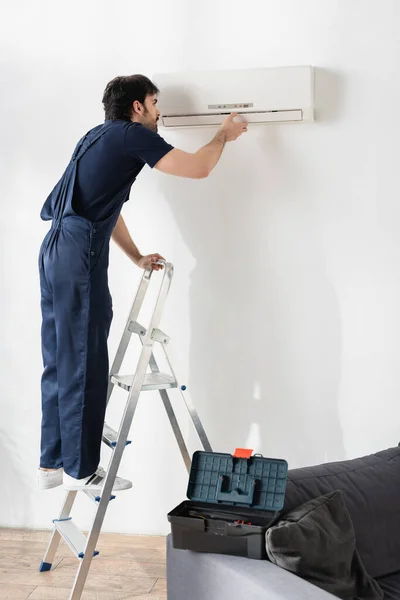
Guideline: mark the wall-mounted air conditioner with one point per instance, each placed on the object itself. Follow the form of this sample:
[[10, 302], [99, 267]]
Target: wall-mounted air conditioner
[[262, 96]]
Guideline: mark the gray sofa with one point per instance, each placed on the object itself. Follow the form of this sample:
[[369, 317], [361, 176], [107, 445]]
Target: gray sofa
[[371, 487]]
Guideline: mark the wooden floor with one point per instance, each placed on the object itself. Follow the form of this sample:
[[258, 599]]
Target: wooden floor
[[128, 567]]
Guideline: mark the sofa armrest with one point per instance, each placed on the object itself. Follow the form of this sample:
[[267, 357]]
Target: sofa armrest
[[217, 577]]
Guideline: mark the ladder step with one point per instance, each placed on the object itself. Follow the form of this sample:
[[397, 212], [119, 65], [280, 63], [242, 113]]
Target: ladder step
[[95, 497], [152, 381], [75, 539], [110, 436]]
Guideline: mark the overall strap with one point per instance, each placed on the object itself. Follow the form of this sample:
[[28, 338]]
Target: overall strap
[[68, 181], [84, 144]]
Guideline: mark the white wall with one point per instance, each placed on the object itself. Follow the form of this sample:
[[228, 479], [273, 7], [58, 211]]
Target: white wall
[[284, 311]]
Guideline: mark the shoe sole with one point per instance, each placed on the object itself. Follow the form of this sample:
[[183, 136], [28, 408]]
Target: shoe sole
[[94, 488]]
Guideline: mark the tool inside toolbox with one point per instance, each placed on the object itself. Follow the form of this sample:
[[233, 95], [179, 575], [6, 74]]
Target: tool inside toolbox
[[236, 518]]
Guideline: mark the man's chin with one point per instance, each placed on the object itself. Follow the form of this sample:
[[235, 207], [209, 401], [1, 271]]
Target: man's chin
[[152, 126]]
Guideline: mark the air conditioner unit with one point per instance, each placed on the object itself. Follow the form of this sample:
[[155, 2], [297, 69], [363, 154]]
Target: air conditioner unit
[[262, 96]]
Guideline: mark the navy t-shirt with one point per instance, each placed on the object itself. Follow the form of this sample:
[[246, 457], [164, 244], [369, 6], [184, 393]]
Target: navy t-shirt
[[106, 172]]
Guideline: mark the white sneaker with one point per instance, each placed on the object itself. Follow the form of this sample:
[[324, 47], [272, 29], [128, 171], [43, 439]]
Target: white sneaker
[[49, 479], [94, 482]]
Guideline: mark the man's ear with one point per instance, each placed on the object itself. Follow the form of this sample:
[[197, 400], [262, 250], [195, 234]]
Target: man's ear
[[137, 107]]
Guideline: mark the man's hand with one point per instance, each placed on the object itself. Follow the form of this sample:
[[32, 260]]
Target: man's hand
[[233, 129], [149, 262]]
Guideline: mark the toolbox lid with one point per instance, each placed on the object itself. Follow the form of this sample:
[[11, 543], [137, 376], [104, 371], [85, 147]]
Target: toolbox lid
[[254, 482]]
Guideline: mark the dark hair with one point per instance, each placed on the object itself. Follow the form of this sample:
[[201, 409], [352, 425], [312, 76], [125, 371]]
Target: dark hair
[[122, 92]]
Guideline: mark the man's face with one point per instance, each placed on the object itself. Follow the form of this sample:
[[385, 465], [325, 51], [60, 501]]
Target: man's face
[[151, 114]]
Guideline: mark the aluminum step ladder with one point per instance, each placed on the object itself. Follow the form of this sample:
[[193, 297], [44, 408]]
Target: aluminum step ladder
[[82, 546]]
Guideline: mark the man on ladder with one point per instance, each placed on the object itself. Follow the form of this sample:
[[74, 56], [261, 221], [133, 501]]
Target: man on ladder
[[84, 208]]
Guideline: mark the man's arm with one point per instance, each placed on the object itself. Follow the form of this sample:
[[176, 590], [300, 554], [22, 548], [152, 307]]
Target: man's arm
[[122, 238], [200, 164]]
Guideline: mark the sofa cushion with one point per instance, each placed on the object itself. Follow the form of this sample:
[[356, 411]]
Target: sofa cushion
[[371, 490], [316, 541], [391, 586]]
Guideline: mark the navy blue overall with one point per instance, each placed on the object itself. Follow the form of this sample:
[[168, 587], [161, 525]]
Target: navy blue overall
[[75, 299]]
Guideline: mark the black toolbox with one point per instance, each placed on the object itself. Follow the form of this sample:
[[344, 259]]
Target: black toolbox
[[232, 502]]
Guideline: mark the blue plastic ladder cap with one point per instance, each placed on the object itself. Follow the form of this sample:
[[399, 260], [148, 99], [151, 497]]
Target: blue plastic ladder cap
[[61, 520], [183, 388], [113, 444], [44, 566], [98, 498], [82, 554]]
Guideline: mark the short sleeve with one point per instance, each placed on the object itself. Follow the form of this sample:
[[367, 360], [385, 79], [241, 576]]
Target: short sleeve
[[144, 144]]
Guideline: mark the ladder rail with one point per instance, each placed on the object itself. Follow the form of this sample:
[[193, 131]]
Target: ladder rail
[[190, 407], [127, 418], [172, 418], [176, 429]]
